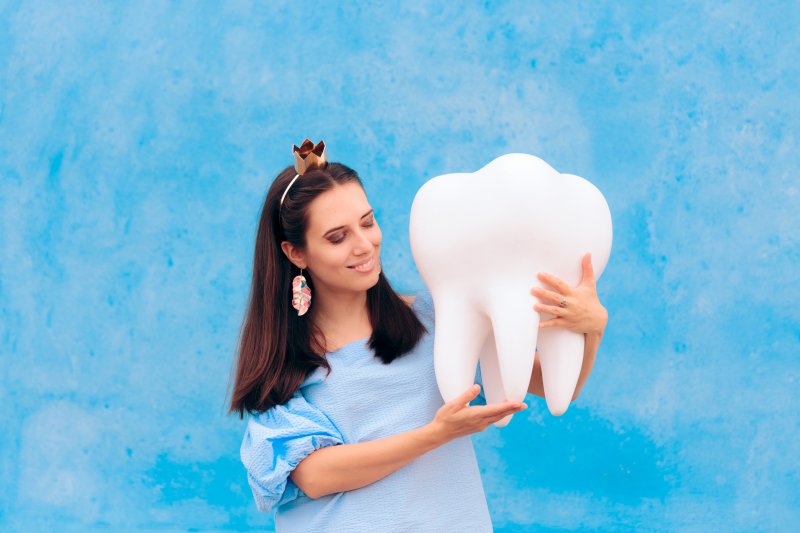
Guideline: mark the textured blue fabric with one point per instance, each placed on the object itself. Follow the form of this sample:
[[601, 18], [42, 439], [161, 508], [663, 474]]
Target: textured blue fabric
[[276, 441], [361, 400]]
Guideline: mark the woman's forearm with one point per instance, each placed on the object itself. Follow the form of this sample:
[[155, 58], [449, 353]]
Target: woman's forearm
[[345, 467], [536, 385], [591, 345]]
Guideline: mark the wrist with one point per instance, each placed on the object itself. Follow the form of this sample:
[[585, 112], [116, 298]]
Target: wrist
[[432, 435], [597, 333]]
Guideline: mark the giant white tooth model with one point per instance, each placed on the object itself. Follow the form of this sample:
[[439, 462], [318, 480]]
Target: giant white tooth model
[[479, 239]]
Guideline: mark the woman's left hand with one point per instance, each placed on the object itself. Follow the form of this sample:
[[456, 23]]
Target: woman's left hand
[[583, 312]]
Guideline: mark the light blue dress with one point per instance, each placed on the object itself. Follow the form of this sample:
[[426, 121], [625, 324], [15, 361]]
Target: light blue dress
[[362, 400]]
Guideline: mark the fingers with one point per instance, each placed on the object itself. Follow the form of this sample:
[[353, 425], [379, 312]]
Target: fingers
[[497, 409], [550, 309], [546, 296], [553, 322], [492, 419], [555, 282], [587, 277], [504, 413]]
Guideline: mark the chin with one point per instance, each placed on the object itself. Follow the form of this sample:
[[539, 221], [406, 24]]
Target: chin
[[372, 278]]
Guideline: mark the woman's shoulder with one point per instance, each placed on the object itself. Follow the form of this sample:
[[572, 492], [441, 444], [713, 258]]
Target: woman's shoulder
[[420, 299], [421, 303]]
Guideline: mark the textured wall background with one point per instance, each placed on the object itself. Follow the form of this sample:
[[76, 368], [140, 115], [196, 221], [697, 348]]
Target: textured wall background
[[137, 142]]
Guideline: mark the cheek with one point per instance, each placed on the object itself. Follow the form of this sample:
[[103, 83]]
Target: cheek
[[331, 258]]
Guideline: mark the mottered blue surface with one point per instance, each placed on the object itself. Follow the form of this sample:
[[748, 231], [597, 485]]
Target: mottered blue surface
[[137, 141]]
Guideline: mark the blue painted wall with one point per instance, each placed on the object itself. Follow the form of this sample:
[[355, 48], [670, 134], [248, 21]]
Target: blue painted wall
[[137, 142]]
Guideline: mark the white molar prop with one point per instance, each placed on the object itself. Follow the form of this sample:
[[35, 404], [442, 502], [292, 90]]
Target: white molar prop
[[479, 239]]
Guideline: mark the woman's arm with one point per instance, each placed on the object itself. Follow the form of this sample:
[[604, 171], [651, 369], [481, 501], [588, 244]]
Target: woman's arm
[[343, 467], [536, 385], [590, 347], [351, 466]]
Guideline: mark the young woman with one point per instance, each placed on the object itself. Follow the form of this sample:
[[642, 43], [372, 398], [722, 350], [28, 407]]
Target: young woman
[[347, 430]]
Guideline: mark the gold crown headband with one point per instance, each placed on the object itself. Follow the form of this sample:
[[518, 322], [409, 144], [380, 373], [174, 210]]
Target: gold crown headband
[[306, 157]]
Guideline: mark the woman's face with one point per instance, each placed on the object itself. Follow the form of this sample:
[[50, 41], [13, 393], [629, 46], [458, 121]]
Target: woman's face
[[342, 233]]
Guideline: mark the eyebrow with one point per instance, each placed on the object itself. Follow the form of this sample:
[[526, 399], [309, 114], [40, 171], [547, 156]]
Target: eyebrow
[[340, 227]]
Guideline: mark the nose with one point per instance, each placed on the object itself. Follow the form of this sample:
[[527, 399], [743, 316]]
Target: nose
[[364, 245]]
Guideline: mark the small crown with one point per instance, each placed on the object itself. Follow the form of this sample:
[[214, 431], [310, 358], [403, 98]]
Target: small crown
[[309, 156]]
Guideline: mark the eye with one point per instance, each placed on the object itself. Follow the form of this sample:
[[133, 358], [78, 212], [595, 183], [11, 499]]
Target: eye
[[369, 225]]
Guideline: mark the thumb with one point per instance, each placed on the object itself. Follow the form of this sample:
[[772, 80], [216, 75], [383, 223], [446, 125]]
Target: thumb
[[588, 270], [468, 395]]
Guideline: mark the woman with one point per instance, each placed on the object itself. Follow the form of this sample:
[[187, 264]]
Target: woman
[[347, 429]]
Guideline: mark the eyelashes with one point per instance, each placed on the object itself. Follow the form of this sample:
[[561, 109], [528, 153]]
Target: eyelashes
[[365, 225]]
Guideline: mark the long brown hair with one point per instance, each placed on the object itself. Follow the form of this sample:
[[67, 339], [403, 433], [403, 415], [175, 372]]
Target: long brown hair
[[278, 349]]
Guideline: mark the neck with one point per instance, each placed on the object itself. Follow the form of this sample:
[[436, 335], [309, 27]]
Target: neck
[[342, 316]]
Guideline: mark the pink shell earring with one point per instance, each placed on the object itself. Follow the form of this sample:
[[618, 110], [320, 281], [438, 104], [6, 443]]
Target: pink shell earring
[[301, 294]]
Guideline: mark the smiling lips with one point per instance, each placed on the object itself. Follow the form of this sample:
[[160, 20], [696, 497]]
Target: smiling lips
[[364, 267]]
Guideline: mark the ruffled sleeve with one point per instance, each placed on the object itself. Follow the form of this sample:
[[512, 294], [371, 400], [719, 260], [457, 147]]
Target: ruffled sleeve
[[275, 441]]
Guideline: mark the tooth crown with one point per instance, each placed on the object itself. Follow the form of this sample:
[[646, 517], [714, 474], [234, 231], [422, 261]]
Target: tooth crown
[[478, 240]]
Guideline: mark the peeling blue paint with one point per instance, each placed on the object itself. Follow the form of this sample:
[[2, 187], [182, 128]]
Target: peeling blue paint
[[137, 143]]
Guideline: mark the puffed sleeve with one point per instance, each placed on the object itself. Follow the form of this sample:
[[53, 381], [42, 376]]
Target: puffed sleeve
[[275, 441]]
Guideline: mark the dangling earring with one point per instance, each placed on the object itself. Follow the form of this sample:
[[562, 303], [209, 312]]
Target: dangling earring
[[301, 294]]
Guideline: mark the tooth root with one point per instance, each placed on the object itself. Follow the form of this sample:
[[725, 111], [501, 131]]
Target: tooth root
[[515, 326], [474, 233], [490, 375], [460, 334], [561, 357]]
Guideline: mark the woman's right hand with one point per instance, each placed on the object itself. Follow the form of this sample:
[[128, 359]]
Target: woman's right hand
[[455, 418]]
